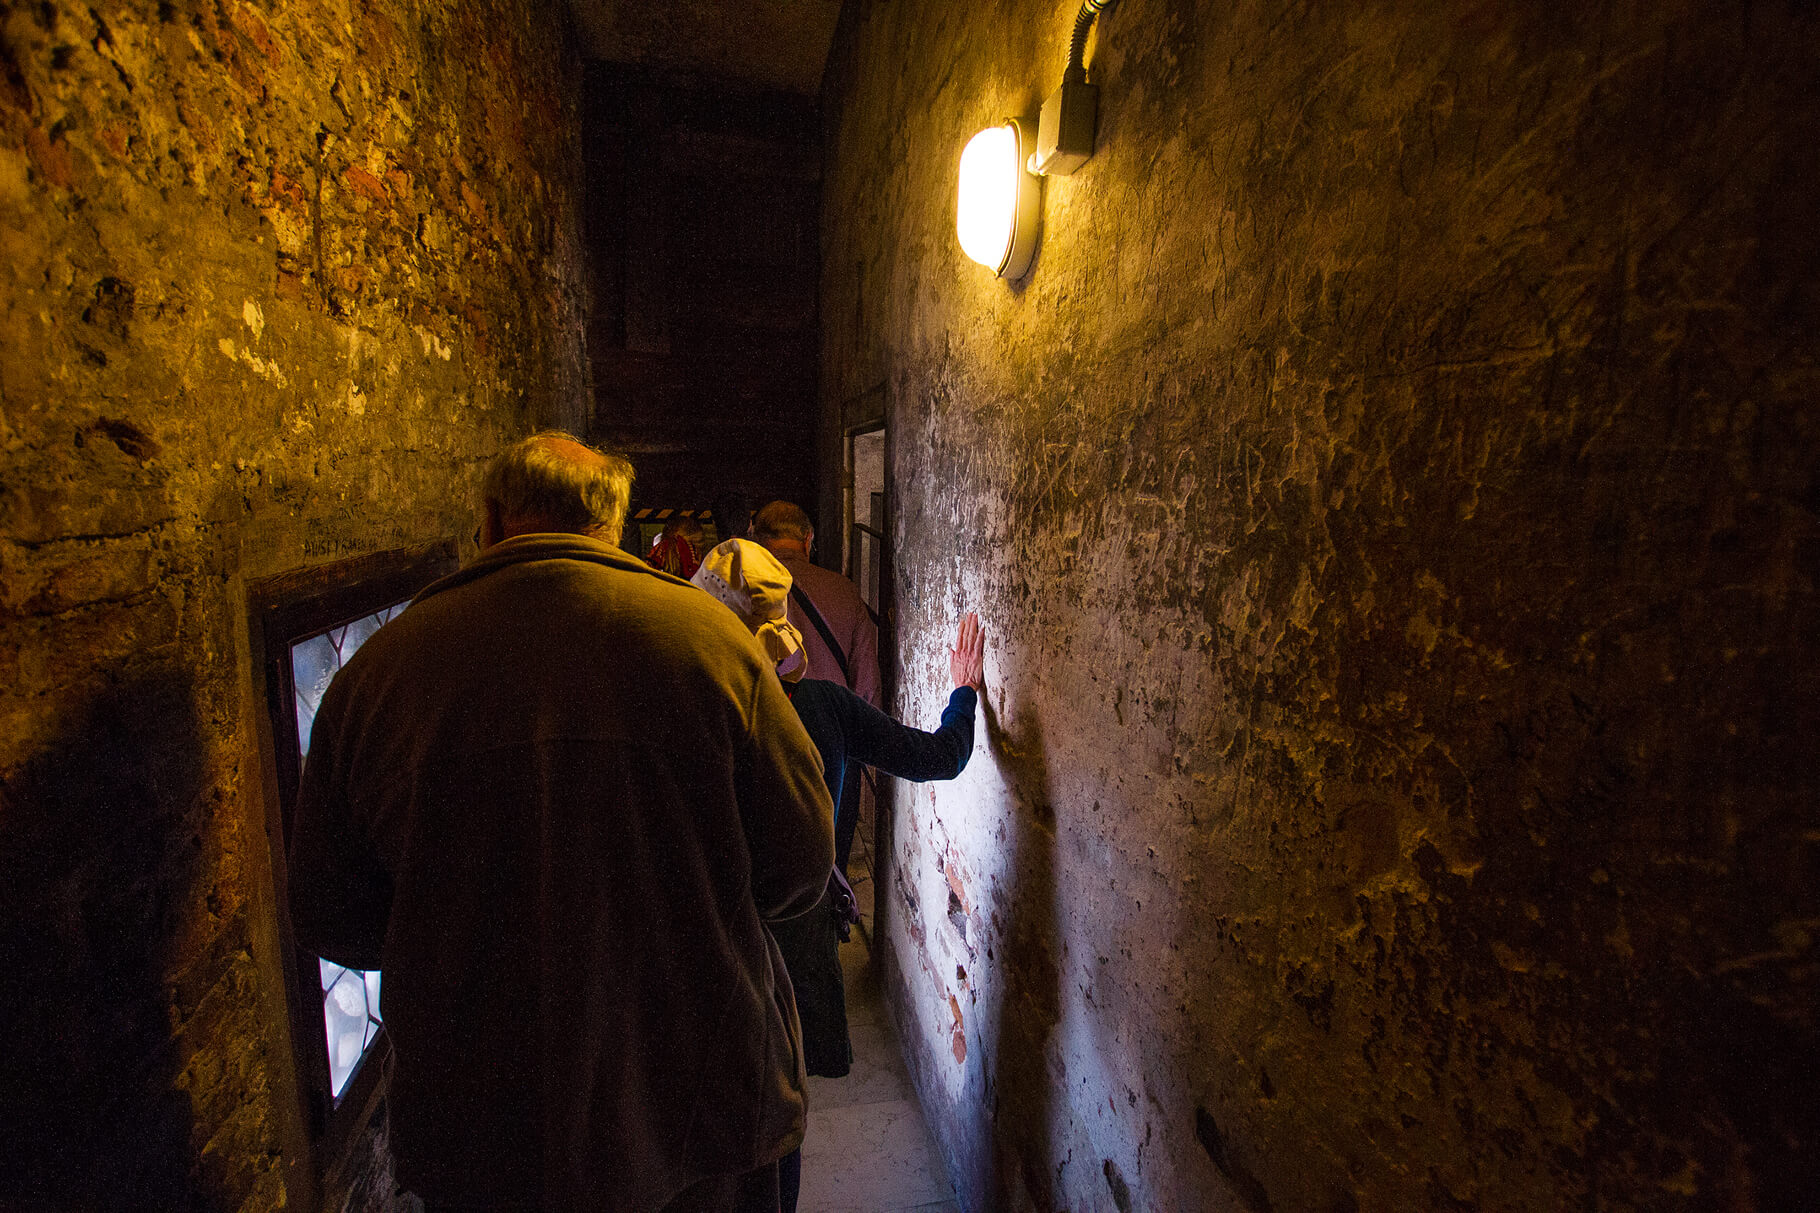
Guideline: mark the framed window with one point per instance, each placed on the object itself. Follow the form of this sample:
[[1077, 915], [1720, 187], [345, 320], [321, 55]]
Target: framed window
[[351, 1019], [305, 626]]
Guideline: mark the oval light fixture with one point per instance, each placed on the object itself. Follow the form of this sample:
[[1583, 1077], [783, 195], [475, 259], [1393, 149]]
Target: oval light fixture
[[997, 215]]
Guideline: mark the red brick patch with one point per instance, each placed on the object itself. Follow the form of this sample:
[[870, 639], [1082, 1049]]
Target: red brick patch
[[288, 188], [254, 30], [363, 182], [52, 156]]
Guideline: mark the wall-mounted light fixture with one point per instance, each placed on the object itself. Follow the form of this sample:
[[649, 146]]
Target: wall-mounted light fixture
[[999, 210]]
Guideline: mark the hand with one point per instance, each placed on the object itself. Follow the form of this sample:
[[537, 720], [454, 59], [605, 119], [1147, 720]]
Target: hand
[[967, 659]]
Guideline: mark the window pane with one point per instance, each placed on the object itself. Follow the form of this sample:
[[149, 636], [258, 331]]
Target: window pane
[[356, 633], [350, 998], [313, 664], [344, 1020]]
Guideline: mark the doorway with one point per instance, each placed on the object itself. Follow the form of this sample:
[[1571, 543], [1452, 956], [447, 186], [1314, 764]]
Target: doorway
[[866, 520], [865, 514]]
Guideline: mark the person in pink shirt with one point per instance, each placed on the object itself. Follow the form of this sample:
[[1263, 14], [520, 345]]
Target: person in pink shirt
[[840, 634], [852, 659]]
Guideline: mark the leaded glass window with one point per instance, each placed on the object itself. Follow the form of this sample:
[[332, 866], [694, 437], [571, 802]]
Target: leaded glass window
[[350, 1019], [350, 998]]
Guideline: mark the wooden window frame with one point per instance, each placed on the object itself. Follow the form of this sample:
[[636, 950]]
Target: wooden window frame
[[282, 611]]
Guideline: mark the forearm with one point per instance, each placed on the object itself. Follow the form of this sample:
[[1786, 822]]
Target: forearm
[[957, 729], [910, 753]]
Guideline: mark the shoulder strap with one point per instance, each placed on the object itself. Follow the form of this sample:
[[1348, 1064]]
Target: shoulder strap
[[823, 630]]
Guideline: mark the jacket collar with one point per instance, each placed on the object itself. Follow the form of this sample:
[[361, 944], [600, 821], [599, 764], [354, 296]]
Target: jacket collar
[[522, 549]]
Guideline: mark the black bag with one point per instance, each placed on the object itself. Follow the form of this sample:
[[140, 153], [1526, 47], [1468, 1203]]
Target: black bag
[[843, 904]]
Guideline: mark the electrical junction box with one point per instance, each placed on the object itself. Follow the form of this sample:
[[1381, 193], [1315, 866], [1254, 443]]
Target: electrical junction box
[[1064, 133]]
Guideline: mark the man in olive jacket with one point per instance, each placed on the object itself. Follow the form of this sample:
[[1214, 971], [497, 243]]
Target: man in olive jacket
[[556, 799]]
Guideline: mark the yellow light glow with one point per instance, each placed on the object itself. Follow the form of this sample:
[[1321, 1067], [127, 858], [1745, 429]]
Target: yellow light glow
[[987, 215]]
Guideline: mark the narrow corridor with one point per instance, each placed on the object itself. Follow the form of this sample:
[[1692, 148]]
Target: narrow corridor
[[1390, 491], [868, 1150]]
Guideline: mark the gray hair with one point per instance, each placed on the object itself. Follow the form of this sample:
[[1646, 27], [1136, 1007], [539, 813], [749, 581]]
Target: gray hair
[[560, 483]]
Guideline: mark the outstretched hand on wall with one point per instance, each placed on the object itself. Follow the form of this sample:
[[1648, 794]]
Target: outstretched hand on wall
[[967, 659]]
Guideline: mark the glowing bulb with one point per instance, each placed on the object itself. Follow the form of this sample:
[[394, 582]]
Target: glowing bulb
[[996, 216], [988, 203]]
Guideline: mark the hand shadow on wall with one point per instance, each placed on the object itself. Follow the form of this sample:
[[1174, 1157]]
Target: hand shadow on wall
[[102, 836], [1023, 1089]]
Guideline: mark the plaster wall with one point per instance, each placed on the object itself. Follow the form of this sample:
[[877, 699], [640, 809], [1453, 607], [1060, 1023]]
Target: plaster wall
[[1391, 501], [275, 280]]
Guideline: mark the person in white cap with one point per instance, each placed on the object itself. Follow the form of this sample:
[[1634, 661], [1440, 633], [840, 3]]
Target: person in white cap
[[755, 586], [840, 634]]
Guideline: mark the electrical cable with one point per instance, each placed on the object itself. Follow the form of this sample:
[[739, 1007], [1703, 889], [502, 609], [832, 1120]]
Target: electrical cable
[[1077, 48]]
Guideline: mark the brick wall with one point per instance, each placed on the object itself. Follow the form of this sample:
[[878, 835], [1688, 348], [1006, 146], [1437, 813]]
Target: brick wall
[[275, 280], [1391, 500]]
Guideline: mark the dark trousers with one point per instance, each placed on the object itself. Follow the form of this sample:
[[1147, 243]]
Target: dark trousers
[[752, 1192], [789, 1180], [846, 813]]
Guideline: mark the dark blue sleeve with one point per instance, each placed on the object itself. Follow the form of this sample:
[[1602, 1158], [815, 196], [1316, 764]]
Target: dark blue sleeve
[[896, 749]]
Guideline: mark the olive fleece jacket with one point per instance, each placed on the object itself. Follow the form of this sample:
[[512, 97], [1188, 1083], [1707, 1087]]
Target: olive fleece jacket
[[556, 799]]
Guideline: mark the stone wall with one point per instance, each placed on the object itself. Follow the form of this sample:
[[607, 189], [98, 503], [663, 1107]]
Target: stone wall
[[1391, 499], [275, 280]]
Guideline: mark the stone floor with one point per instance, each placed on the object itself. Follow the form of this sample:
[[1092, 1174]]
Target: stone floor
[[867, 1148]]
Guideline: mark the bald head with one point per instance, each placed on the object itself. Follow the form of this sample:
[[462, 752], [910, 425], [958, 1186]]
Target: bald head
[[565, 447], [552, 481], [784, 528]]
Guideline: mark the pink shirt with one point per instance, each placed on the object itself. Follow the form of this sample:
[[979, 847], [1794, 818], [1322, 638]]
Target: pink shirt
[[846, 615]]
